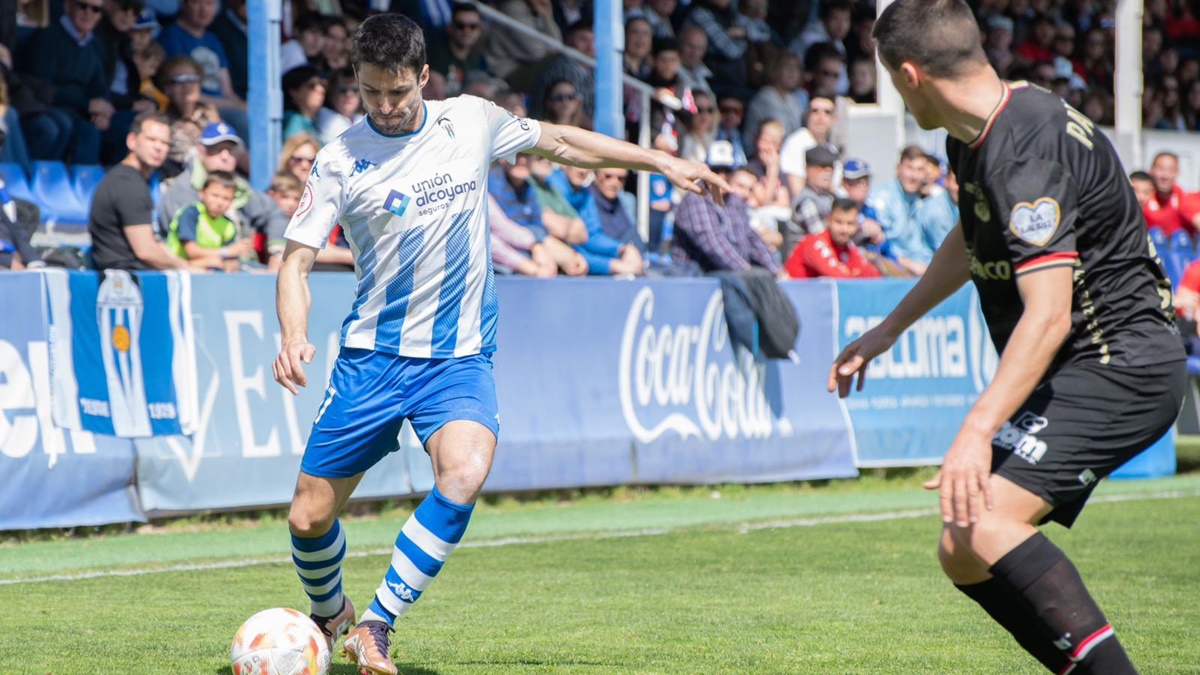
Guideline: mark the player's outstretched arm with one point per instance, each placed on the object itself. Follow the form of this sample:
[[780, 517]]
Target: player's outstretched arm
[[589, 150], [947, 272], [1043, 327], [292, 301]]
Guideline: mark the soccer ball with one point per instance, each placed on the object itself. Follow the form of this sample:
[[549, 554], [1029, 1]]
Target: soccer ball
[[279, 641]]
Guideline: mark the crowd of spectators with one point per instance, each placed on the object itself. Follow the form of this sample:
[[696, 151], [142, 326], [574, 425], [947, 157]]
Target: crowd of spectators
[[758, 89]]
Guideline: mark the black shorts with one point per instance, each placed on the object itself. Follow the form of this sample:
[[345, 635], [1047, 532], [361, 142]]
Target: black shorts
[[1081, 425]]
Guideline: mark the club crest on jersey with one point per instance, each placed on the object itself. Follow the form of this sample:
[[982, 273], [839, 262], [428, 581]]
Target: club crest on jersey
[[446, 126], [1035, 223], [397, 202], [306, 200], [982, 212]]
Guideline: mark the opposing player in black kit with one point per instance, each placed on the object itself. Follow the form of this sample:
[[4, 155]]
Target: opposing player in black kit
[[1091, 369]]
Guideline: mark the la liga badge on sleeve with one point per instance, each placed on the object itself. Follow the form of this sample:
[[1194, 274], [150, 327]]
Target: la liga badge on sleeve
[[1035, 223]]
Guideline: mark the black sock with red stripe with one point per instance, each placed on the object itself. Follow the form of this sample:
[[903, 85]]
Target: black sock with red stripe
[[1016, 616], [1048, 582]]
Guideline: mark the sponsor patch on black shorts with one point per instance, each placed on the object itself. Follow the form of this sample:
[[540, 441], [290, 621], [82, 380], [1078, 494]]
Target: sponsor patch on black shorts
[[1081, 425]]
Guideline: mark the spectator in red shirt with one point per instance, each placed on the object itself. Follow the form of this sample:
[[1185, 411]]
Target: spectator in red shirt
[[832, 253], [1166, 209]]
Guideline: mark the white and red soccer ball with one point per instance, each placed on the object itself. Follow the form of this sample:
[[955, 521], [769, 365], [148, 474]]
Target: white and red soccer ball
[[279, 641]]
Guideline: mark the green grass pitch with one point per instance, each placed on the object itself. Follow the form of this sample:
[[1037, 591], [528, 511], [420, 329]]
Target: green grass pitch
[[782, 579]]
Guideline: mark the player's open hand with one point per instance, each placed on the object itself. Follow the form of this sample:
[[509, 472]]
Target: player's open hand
[[289, 365], [965, 479], [696, 178], [855, 358]]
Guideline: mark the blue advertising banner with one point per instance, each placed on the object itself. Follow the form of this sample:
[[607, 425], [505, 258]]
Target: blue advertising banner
[[250, 432], [603, 384], [121, 348], [49, 477], [917, 394], [598, 383]]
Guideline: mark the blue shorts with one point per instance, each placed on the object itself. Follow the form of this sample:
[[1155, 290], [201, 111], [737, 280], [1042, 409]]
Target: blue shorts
[[370, 395]]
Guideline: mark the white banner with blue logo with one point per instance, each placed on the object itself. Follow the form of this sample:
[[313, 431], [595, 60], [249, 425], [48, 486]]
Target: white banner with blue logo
[[49, 477], [123, 352]]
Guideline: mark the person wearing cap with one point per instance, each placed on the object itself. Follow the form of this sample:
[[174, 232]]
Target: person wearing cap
[[121, 72], [810, 210], [121, 219], [255, 213], [710, 238], [144, 29]]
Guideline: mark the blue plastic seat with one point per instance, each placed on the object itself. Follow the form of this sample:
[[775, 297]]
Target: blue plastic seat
[[54, 192], [84, 179], [17, 182]]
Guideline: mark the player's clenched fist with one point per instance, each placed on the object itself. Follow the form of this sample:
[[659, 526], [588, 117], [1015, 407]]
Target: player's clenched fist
[[289, 365]]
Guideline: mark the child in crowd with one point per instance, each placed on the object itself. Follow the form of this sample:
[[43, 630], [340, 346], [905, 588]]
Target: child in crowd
[[202, 234]]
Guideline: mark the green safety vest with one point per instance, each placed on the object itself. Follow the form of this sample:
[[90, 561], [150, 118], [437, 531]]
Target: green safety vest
[[210, 232]]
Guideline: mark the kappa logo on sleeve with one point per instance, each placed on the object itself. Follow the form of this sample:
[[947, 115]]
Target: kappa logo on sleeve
[[1035, 223]]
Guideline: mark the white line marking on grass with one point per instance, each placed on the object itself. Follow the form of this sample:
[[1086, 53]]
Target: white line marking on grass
[[742, 528]]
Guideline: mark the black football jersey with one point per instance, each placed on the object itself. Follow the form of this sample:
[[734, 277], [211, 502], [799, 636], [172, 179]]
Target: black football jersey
[[1042, 187]]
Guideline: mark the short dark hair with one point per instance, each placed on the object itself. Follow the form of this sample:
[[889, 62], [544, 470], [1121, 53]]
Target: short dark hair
[[582, 24], [142, 118], [391, 41], [311, 21], [1141, 175], [462, 8], [844, 204], [222, 178], [941, 37], [822, 51]]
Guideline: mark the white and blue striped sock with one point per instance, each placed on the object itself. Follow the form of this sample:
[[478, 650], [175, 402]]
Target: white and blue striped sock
[[422, 547], [319, 563]]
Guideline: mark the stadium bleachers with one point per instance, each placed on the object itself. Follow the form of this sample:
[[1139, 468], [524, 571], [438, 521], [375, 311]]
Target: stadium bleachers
[[84, 179], [53, 190]]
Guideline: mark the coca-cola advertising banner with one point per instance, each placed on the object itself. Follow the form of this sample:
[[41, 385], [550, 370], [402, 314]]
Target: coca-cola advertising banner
[[604, 383]]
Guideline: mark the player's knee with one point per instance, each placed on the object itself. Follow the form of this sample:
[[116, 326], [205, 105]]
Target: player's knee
[[958, 561], [303, 521], [463, 480]]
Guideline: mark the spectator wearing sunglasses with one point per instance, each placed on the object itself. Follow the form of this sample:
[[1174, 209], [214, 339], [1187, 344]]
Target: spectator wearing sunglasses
[[298, 155], [68, 55], [343, 106], [461, 51], [255, 214]]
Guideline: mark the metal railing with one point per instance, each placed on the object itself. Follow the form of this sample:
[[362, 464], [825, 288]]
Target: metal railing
[[647, 92]]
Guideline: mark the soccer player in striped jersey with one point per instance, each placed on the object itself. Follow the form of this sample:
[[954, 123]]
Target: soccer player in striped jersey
[[409, 186], [1091, 369]]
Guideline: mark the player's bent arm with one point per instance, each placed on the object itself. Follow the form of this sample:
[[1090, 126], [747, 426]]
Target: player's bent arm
[[946, 273], [1044, 325], [589, 150]]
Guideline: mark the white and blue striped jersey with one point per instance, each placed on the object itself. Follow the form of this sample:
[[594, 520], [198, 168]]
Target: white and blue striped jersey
[[414, 209]]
